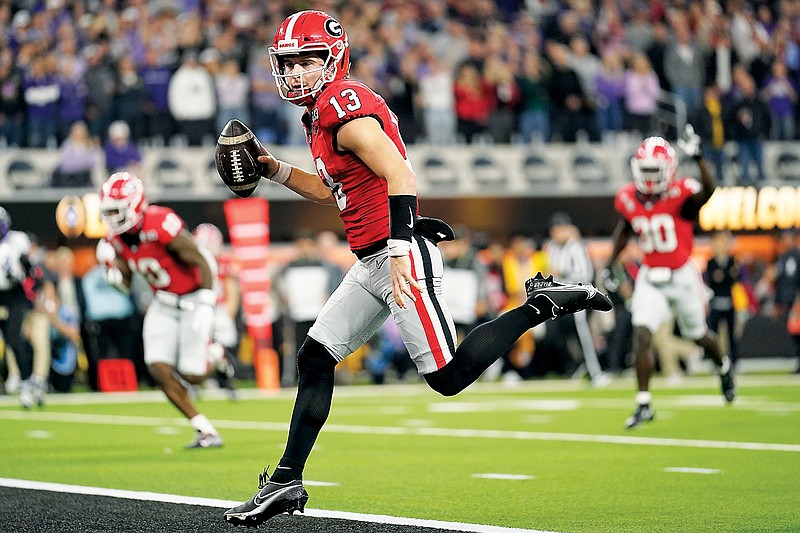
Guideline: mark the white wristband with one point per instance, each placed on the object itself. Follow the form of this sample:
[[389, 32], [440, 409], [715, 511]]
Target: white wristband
[[398, 247], [283, 172]]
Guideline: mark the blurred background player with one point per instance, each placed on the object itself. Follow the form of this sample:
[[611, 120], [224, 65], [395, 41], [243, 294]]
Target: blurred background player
[[568, 259], [661, 210], [153, 241], [15, 247], [225, 336]]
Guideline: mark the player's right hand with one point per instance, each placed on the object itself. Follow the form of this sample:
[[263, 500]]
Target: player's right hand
[[402, 280], [270, 164]]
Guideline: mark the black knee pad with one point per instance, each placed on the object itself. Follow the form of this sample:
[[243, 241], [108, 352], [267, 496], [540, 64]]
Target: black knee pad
[[313, 358]]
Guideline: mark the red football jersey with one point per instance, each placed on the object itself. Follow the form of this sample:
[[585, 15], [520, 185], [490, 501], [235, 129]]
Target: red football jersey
[[360, 194], [665, 237], [150, 256]]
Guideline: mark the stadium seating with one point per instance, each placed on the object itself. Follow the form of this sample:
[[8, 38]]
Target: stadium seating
[[538, 170], [22, 173], [170, 173], [487, 173]]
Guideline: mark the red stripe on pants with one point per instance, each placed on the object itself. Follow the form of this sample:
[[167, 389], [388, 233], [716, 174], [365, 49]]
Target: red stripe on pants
[[427, 322]]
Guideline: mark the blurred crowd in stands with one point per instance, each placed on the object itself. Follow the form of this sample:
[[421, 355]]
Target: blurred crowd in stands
[[73, 322], [174, 71]]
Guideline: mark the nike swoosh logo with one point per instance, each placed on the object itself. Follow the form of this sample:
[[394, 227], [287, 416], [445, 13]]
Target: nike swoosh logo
[[379, 263], [411, 217], [259, 501]]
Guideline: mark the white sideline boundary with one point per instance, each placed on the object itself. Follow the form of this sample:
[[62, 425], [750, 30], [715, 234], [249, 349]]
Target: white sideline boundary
[[224, 504], [127, 420]]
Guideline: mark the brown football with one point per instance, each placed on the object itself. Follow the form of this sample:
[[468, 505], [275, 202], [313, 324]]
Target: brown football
[[236, 157]]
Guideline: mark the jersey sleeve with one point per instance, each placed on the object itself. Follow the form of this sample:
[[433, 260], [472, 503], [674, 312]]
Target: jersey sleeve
[[348, 101], [167, 225]]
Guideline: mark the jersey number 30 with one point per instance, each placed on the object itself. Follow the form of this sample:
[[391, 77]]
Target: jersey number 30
[[656, 233]]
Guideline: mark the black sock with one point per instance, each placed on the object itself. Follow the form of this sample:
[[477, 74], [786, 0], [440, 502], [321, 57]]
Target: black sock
[[311, 407], [481, 347]]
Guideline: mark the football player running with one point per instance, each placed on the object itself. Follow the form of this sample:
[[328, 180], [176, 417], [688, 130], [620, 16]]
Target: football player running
[[152, 240], [362, 167], [661, 209]]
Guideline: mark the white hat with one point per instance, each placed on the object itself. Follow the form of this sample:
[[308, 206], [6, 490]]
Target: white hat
[[21, 18], [119, 128]]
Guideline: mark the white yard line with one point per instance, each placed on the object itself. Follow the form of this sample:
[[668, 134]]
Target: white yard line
[[224, 504], [691, 470], [122, 420]]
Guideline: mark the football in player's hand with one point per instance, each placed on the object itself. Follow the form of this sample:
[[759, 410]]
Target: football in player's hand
[[236, 157]]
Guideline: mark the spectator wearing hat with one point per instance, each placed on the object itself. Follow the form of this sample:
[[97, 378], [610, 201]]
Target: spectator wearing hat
[[569, 262], [120, 152]]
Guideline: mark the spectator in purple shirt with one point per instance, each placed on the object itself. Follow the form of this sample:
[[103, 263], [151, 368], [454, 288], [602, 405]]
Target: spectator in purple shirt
[[41, 93], [72, 104], [156, 76], [781, 95], [609, 86], [121, 153]]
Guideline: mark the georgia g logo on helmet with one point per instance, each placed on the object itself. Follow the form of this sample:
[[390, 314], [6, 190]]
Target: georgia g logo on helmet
[[333, 27]]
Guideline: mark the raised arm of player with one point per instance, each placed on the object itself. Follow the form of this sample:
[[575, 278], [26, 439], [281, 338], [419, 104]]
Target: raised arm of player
[[690, 144], [306, 184], [367, 140]]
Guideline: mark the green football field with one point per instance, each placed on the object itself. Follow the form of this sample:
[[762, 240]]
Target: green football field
[[546, 455]]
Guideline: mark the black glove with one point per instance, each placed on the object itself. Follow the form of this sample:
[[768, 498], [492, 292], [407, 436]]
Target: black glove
[[434, 229]]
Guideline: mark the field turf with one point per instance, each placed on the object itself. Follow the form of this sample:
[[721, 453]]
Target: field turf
[[543, 455]]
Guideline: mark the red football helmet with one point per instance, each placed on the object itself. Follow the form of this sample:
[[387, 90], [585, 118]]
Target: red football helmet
[[310, 31], [653, 165], [209, 236], [122, 202]]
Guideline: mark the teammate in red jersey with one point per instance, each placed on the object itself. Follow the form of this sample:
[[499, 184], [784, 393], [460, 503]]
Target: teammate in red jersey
[[661, 210], [362, 167], [152, 241]]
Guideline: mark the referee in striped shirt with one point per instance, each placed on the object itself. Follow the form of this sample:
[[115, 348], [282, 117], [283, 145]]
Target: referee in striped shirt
[[569, 261]]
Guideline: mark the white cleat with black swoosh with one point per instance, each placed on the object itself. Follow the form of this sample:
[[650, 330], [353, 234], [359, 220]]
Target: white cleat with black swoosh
[[271, 499], [553, 299]]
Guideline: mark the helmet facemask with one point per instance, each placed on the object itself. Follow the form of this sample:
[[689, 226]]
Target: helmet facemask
[[653, 166], [305, 95], [122, 203]]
